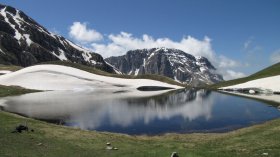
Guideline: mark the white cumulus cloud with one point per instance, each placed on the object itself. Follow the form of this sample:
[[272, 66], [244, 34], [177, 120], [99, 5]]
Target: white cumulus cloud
[[119, 44], [230, 74], [80, 33], [224, 62]]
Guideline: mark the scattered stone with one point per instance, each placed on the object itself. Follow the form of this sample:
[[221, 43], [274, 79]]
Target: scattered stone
[[39, 144], [174, 154], [109, 147], [265, 154]]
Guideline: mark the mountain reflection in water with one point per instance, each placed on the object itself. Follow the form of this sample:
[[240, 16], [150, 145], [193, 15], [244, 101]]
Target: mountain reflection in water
[[118, 111]]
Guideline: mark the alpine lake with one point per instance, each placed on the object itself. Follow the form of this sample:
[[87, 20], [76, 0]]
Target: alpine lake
[[178, 111]]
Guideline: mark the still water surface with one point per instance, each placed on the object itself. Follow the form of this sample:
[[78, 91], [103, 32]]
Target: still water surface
[[180, 111]]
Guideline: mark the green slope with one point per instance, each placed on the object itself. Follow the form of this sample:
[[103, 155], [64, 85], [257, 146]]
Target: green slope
[[9, 67], [267, 72], [14, 90]]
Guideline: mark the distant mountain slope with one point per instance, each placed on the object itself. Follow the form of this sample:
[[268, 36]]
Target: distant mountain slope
[[171, 63], [24, 42], [267, 72]]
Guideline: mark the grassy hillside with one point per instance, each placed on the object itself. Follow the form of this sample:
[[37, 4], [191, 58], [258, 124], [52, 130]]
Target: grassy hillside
[[100, 72], [9, 67], [267, 72], [52, 140], [13, 90]]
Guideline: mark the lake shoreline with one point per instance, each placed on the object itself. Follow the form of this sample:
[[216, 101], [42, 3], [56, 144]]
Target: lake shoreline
[[272, 99], [180, 111], [53, 137]]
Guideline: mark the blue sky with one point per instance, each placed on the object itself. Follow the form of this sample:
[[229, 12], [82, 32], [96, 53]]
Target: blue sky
[[244, 33]]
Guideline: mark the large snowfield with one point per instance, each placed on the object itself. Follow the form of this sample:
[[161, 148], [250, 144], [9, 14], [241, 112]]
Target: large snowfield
[[270, 83], [57, 77]]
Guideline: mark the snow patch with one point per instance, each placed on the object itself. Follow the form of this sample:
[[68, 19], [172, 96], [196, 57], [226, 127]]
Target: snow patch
[[56, 77], [2, 51], [180, 68], [136, 72], [27, 39], [151, 55], [86, 53], [175, 78], [202, 69], [2, 72], [270, 83], [162, 48], [17, 34], [87, 57], [198, 63], [115, 69], [76, 46], [61, 55], [18, 19]]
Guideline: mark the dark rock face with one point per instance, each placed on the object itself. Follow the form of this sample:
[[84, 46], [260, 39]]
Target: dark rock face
[[24, 42], [172, 63]]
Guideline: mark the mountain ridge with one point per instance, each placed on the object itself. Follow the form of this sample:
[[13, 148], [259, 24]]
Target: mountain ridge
[[24, 42], [172, 63]]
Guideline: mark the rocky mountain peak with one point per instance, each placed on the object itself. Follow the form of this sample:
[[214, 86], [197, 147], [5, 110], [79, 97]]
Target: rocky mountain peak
[[173, 63], [24, 42]]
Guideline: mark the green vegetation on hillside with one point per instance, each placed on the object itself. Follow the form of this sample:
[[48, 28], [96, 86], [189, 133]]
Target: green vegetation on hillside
[[52, 140], [100, 72], [9, 67], [14, 90], [267, 72]]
